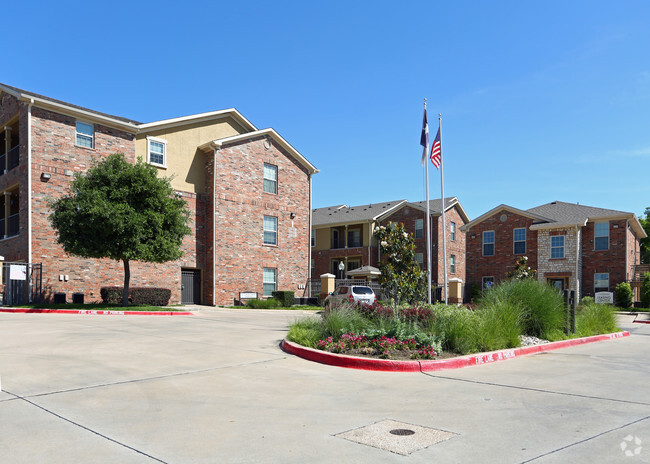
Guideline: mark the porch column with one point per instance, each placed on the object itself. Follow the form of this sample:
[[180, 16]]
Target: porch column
[[7, 148], [5, 232], [327, 283]]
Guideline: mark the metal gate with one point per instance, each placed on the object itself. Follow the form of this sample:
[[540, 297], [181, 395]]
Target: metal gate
[[22, 283], [190, 286]]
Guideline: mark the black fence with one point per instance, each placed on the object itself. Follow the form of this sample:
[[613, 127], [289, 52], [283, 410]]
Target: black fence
[[22, 283]]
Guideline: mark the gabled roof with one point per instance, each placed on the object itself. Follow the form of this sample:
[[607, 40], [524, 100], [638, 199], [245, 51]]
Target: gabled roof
[[262, 133], [558, 214], [68, 108], [510, 209], [194, 118], [343, 214], [435, 206]]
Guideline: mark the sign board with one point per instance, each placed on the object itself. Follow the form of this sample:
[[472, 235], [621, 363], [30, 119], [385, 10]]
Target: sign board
[[17, 272], [604, 298], [247, 295]]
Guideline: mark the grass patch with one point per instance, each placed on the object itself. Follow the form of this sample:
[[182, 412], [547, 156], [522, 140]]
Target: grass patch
[[593, 319], [98, 307]]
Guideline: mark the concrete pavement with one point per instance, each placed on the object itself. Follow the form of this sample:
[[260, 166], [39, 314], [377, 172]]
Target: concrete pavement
[[215, 388]]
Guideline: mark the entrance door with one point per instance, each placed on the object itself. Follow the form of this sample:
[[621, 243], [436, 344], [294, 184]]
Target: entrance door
[[190, 286], [557, 283]]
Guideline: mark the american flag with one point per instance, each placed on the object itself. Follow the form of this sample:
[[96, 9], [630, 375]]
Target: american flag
[[424, 138], [435, 151]]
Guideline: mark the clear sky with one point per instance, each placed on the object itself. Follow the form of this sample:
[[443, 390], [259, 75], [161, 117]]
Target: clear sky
[[541, 101]]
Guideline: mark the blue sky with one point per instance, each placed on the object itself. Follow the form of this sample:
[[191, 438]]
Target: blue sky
[[541, 101]]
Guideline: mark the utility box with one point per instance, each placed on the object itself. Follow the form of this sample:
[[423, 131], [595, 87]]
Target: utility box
[[59, 298], [78, 298]]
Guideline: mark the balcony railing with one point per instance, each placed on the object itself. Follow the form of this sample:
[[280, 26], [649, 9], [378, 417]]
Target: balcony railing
[[9, 160], [14, 227]]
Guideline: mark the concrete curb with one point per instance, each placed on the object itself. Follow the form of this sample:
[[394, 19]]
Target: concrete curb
[[355, 362], [91, 312]]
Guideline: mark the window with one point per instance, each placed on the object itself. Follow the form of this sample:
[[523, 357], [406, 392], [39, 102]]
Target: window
[[354, 238], [85, 135], [419, 228], [270, 178], [488, 282], [335, 238], [353, 264], [270, 230], [157, 151], [488, 243], [452, 264], [313, 237], [419, 258], [601, 236], [557, 246], [453, 232], [269, 281], [601, 282], [520, 241]]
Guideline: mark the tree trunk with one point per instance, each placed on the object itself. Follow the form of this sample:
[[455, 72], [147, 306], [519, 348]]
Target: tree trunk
[[127, 278]]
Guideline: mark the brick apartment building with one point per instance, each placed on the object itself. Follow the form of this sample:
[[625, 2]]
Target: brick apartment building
[[345, 234], [571, 246], [248, 190]]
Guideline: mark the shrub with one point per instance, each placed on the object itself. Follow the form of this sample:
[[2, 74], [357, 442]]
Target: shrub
[[152, 296], [586, 300], [592, 319], [285, 297], [111, 295], [624, 297], [457, 327], [542, 306], [419, 314], [263, 304], [342, 319], [645, 290], [376, 311]]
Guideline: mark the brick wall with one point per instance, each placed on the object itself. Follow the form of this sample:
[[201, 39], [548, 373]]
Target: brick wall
[[241, 204], [611, 261], [503, 224]]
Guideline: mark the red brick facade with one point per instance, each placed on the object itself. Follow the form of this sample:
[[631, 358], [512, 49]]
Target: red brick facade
[[237, 207], [618, 260]]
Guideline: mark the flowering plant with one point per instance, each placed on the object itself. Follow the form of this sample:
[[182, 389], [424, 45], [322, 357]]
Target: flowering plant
[[522, 270]]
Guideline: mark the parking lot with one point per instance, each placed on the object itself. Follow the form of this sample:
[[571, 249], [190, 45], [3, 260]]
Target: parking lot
[[216, 388]]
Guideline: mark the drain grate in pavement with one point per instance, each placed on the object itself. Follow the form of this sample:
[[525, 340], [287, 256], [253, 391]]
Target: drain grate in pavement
[[397, 437]]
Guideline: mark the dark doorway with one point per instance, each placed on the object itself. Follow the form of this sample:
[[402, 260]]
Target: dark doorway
[[190, 286]]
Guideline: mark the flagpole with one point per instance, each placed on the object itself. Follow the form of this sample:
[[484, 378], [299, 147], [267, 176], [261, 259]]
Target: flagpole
[[444, 227], [428, 220]]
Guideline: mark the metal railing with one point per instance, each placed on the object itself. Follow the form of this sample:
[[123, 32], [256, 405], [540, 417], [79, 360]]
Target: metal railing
[[13, 158]]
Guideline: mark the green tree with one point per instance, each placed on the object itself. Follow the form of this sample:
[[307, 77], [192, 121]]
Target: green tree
[[522, 270], [121, 211], [645, 242], [624, 296], [645, 290], [401, 278]]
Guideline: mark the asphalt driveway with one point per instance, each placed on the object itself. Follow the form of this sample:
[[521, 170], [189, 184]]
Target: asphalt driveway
[[216, 388]]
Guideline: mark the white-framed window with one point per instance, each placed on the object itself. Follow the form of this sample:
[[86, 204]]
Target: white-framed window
[[269, 281], [452, 232], [419, 258], [557, 246], [488, 243], [85, 135], [270, 230], [601, 282], [313, 237], [419, 228], [157, 151], [452, 264], [487, 282], [270, 178], [601, 236], [519, 237]]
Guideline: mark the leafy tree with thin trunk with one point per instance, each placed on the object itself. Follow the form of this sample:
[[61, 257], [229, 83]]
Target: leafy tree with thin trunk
[[645, 242], [121, 211]]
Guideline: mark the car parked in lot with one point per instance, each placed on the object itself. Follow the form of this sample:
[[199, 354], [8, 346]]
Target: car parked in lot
[[351, 294]]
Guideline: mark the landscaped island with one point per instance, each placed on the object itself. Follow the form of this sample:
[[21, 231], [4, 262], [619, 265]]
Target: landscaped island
[[512, 311]]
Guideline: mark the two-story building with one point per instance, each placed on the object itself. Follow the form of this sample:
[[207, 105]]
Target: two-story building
[[571, 246], [344, 234], [248, 191]]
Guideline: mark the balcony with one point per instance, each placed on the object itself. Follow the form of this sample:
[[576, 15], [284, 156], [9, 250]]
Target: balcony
[[9, 160], [12, 226]]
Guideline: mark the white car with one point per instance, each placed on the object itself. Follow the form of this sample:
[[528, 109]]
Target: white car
[[351, 294]]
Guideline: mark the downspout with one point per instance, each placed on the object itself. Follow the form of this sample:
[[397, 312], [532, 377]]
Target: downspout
[[215, 147], [369, 241], [311, 231], [29, 180], [578, 263]]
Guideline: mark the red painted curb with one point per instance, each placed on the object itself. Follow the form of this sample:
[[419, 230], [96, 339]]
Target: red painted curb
[[92, 312], [642, 322], [355, 362]]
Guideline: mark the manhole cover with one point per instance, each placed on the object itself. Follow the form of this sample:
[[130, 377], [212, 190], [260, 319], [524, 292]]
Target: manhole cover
[[402, 432]]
